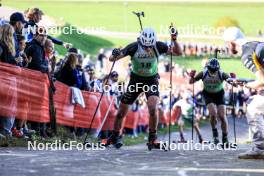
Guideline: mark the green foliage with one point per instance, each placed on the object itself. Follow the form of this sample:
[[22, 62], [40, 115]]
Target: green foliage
[[117, 16], [228, 65], [87, 43]]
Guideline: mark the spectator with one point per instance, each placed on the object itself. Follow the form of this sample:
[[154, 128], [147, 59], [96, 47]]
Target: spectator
[[69, 76], [7, 55], [22, 60], [35, 50], [69, 72], [80, 73], [17, 21], [21, 129], [62, 61], [89, 77], [100, 58], [49, 49], [34, 16], [7, 44], [49, 54], [112, 81]]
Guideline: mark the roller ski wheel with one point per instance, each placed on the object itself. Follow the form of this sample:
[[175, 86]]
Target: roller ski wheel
[[182, 141], [201, 141]]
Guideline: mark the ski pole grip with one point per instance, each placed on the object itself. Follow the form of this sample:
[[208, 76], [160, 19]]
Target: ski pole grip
[[116, 52], [192, 73], [232, 75], [173, 32]]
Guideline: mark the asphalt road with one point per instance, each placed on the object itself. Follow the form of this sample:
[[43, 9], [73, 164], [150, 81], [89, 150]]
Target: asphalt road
[[132, 160]]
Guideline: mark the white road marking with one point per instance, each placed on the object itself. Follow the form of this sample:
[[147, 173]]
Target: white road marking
[[224, 170], [238, 170], [16, 154], [182, 173]]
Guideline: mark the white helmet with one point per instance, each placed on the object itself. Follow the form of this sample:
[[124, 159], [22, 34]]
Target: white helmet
[[233, 34], [148, 37]]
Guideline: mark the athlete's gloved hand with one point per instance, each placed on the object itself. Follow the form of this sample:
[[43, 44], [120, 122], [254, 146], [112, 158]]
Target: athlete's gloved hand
[[234, 81], [173, 32], [232, 75], [116, 52], [192, 73]]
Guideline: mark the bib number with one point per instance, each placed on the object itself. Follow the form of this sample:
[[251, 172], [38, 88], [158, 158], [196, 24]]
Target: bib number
[[146, 65]]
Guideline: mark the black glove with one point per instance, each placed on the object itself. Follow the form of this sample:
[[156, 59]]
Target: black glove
[[116, 52]]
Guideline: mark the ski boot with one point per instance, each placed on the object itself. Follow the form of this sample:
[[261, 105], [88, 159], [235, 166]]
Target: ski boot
[[153, 142], [226, 144], [115, 139], [215, 137], [182, 139], [202, 141]]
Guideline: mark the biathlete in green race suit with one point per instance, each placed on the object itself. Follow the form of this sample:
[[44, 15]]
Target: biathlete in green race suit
[[213, 93], [144, 55]]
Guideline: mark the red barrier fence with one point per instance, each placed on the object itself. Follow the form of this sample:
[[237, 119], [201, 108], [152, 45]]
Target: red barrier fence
[[24, 95]]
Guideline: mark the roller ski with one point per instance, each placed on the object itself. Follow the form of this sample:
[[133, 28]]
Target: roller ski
[[181, 140], [202, 141]]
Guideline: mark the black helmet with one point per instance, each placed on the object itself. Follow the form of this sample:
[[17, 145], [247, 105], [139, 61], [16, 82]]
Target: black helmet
[[213, 65], [113, 74]]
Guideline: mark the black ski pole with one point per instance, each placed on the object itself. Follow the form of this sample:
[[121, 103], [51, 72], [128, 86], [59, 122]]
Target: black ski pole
[[193, 110], [241, 81], [233, 112], [139, 14], [233, 76], [170, 98], [98, 105], [172, 32]]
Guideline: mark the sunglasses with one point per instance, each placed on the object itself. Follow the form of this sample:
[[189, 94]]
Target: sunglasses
[[147, 47], [43, 35]]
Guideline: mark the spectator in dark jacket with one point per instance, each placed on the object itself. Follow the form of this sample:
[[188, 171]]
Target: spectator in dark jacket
[[35, 50], [69, 73], [17, 21], [69, 76]]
